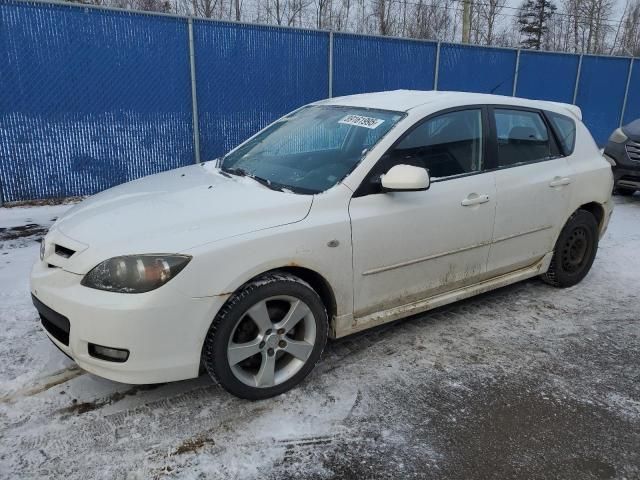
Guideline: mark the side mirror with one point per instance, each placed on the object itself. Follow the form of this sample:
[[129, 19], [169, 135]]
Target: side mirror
[[405, 178]]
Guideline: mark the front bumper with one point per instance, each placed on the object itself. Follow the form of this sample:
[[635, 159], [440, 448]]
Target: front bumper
[[626, 172], [163, 330], [625, 177]]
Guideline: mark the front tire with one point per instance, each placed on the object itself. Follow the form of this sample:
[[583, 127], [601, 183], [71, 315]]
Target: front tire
[[267, 338], [574, 252]]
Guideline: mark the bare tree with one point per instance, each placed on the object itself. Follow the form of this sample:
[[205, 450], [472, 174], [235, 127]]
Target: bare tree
[[600, 27], [630, 38], [588, 27], [382, 14], [484, 26], [581, 26], [427, 19], [207, 8]]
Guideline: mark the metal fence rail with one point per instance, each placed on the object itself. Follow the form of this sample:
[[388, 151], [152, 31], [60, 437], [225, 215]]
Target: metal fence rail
[[92, 97]]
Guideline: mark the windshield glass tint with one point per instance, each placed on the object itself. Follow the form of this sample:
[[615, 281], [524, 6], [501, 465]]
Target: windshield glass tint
[[311, 149]]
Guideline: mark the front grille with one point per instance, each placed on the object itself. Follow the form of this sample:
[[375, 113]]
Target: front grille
[[629, 181], [633, 150], [57, 325]]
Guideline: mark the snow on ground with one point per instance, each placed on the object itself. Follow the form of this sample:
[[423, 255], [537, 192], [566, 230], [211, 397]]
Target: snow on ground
[[525, 382]]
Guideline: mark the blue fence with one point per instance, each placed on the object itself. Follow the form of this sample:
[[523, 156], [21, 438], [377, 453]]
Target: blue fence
[[90, 98], [547, 76], [247, 76], [370, 64]]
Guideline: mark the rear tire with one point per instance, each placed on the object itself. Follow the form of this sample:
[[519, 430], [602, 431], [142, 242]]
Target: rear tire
[[267, 337], [574, 252]]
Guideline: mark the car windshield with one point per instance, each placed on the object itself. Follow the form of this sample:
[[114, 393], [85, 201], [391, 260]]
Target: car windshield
[[311, 149]]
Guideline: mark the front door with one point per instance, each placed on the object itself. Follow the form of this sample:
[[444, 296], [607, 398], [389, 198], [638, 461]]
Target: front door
[[411, 245]]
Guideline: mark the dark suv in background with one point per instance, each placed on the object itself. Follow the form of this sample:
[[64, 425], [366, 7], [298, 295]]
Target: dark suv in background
[[624, 149]]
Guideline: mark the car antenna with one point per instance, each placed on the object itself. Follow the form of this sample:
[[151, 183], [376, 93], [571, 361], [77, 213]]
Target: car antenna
[[496, 87]]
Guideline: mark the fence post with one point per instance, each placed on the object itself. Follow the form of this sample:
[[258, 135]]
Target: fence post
[[626, 92], [194, 96], [515, 74], [437, 67], [330, 64], [575, 86]]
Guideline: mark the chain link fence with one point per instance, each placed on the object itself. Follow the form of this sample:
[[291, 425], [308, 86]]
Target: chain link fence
[[93, 97]]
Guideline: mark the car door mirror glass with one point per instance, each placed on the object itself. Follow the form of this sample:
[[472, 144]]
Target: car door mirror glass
[[405, 178]]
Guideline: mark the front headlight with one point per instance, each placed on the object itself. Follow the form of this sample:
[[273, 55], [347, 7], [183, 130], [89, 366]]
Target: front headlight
[[135, 273], [618, 136]]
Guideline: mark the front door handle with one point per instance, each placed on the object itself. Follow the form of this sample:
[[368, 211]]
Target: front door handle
[[474, 199], [559, 181]]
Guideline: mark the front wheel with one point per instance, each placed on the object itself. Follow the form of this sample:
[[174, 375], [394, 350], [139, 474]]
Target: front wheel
[[267, 337], [574, 252]]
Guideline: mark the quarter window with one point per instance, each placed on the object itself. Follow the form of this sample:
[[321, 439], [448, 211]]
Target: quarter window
[[446, 145], [522, 137], [566, 131]]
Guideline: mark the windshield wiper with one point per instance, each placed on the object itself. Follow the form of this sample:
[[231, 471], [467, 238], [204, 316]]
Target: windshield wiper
[[267, 183], [241, 172]]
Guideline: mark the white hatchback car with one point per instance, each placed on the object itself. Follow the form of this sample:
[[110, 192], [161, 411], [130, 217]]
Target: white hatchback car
[[342, 215]]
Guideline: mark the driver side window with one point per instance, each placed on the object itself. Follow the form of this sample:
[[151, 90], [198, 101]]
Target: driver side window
[[446, 145]]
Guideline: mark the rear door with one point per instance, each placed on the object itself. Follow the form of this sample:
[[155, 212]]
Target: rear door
[[533, 188]]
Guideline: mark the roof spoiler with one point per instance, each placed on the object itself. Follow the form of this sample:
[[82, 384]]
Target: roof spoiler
[[572, 109]]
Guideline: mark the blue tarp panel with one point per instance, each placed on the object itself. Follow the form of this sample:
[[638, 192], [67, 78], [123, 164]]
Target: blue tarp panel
[[601, 93], [476, 69], [632, 112], [248, 76], [89, 99], [547, 76], [368, 64]]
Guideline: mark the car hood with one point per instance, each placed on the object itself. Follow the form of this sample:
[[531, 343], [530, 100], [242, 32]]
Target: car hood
[[632, 130], [168, 213]]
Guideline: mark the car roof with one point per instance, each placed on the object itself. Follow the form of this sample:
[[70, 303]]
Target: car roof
[[405, 100]]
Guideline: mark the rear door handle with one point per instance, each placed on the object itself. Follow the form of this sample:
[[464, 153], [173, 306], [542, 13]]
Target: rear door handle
[[559, 181], [474, 199]]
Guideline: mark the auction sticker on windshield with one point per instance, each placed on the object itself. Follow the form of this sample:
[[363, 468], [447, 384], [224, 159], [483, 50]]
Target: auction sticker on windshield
[[361, 121]]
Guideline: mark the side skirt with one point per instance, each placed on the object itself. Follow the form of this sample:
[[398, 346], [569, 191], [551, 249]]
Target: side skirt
[[346, 324]]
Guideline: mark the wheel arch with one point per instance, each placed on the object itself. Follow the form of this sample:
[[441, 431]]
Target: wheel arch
[[595, 209], [320, 284], [317, 282]]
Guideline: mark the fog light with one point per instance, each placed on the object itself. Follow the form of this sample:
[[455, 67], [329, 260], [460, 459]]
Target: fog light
[[108, 353]]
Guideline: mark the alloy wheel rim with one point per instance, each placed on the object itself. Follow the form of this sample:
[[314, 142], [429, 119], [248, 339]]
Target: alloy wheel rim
[[271, 341]]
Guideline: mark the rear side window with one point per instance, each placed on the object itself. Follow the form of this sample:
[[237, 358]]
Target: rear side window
[[522, 137], [565, 129]]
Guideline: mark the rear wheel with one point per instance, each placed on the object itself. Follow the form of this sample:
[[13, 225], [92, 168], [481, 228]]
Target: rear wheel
[[267, 338], [574, 252]]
